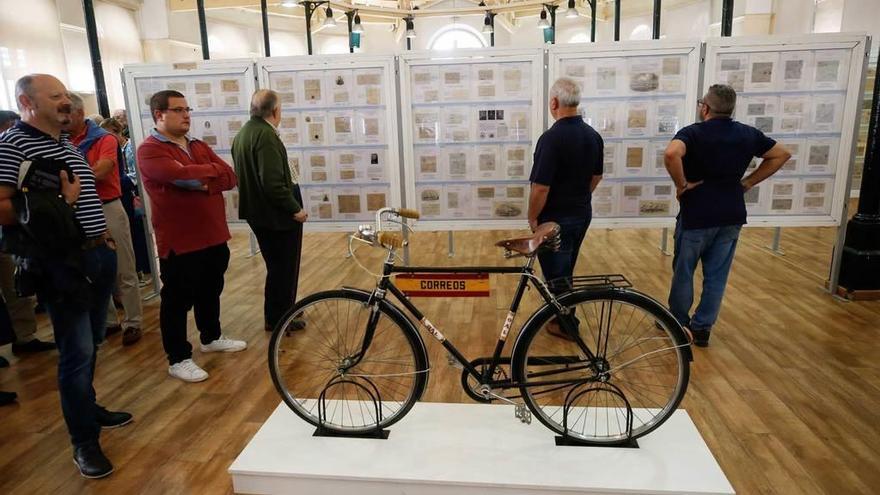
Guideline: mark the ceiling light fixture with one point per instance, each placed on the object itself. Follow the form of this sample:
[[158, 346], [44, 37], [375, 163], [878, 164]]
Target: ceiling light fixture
[[329, 21], [542, 23], [357, 25], [571, 12], [487, 24], [410, 29]]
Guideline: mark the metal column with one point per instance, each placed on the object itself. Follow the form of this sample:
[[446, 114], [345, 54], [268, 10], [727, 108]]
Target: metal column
[[655, 31], [203, 29], [265, 14], [616, 20], [95, 53], [592, 19], [727, 18], [349, 17]]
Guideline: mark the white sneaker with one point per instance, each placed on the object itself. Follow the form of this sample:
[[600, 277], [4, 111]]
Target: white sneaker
[[224, 345], [188, 371]]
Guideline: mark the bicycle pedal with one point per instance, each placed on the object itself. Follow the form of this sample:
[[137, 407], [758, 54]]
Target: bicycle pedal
[[453, 362], [523, 414]]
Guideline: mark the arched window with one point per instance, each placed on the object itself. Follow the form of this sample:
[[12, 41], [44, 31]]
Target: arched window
[[456, 36]]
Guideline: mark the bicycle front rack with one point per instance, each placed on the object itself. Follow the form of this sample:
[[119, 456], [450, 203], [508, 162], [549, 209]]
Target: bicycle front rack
[[572, 397], [375, 397]]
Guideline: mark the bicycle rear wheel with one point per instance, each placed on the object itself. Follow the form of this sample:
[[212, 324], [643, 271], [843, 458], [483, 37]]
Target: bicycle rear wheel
[[640, 364], [304, 364]]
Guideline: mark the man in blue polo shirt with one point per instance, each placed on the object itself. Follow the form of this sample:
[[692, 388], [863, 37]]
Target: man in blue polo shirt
[[567, 168], [707, 162], [75, 285]]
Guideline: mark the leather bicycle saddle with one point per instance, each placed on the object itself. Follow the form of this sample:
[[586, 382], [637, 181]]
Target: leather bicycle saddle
[[546, 235]]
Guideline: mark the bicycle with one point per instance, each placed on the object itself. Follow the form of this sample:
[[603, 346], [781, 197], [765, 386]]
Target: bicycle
[[599, 363]]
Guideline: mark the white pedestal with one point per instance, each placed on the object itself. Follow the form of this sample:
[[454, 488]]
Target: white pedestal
[[470, 449]]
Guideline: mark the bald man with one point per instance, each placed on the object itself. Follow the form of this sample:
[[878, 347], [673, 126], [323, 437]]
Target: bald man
[[270, 201], [77, 304]]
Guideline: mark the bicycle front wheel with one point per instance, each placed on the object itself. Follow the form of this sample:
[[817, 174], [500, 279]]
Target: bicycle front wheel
[[327, 375], [629, 380]]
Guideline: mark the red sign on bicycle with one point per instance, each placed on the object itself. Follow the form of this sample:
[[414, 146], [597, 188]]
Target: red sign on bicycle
[[443, 284]]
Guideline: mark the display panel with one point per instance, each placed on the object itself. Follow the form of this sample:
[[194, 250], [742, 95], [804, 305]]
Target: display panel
[[470, 127], [218, 93], [804, 93], [339, 127], [637, 96]]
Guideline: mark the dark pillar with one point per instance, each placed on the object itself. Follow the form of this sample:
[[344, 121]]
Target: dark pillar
[[95, 53], [265, 14], [552, 9], [727, 18], [655, 32], [310, 7], [203, 29], [349, 17], [860, 263], [592, 20], [616, 20], [492, 23]]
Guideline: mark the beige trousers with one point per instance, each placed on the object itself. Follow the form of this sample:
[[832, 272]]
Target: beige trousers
[[126, 271], [21, 309]]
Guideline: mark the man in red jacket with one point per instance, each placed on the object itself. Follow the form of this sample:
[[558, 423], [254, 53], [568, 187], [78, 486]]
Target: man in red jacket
[[184, 180]]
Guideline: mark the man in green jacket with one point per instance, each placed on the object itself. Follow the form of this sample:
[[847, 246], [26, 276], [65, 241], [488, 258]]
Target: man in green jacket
[[271, 203]]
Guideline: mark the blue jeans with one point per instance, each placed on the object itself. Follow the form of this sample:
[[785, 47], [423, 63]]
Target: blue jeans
[[561, 263], [78, 324], [714, 247]]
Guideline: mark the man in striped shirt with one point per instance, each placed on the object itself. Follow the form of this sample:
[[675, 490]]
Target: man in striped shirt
[[76, 297]]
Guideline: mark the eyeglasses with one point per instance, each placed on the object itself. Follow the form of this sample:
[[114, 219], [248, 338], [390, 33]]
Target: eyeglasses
[[179, 110], [700, 101]]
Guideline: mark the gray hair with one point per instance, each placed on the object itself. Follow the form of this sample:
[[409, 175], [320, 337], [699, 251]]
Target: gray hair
[[721, 99], [96, 118], [24, 86], [567, 91], [76, 101], [263, 103]]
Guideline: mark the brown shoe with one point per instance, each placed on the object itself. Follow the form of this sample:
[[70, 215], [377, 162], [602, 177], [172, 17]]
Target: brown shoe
[[131, 335]]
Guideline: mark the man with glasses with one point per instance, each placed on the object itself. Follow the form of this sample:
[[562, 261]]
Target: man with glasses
[[707, 162], [185, 180]]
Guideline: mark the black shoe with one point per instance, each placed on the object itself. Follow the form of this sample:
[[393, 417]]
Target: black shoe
[[3, 362], [33, 345], [7, 398], [112, 329], [131, 335], [92, 463], [112, 419], [701, 337]]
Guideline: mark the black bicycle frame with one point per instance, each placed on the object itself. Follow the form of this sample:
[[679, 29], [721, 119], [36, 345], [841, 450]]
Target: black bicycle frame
[[526, 272]]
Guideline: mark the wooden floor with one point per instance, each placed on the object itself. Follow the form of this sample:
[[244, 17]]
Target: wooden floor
[[787, 396]]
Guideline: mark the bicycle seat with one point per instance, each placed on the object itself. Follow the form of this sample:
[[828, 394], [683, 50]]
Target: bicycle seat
[[547, 234]]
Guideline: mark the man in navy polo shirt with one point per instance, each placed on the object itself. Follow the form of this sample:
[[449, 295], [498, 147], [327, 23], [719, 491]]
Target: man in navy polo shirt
[[707, 162], [76, 296], [568, 167]]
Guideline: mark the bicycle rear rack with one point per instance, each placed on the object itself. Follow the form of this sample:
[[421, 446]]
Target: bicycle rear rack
[[572, 397], [596, 282], [376, 398]]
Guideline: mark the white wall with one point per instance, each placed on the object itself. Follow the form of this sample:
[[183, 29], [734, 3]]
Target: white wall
[[30, 41]]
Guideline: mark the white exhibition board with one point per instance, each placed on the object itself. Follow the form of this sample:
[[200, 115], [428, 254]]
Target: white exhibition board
[[339, 125], [452, 134], [805, 92], [637, 95], [470, 122], [219, 92]]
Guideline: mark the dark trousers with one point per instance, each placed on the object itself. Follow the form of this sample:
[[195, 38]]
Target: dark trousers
[[191, 281], [561, 263], [78, 325], [7, 336], [281, 250]]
